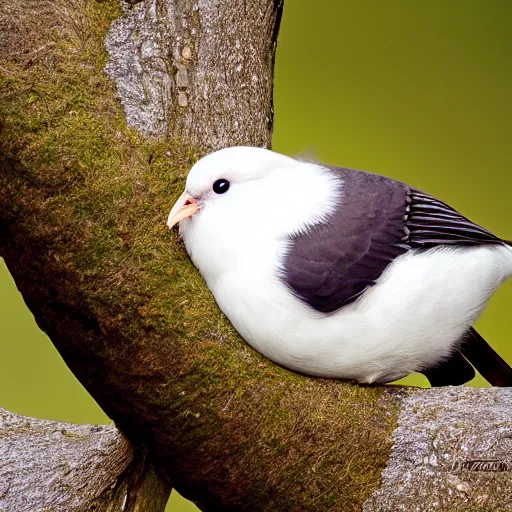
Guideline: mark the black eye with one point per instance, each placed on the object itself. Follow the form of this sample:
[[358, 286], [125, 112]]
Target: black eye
[[221, 186]]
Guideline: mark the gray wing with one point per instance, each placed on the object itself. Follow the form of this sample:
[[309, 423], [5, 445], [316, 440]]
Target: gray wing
[[376, 220]]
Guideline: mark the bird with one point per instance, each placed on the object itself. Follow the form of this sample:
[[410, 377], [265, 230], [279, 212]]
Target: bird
[[341, 273]]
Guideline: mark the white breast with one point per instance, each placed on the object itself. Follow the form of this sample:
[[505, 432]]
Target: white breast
[[414, 316]]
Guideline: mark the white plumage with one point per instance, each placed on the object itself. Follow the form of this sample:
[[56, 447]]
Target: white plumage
[[412, 318]]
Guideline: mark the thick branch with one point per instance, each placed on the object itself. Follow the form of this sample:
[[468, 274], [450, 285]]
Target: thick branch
[[47, 465], [201, 70], [452, 451], [83, 203]]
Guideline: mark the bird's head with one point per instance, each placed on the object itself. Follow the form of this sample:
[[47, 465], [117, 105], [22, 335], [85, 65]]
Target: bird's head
[[224, 176], [241, 197]]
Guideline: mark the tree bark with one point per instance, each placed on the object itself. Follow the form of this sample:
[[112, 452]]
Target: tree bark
[[200, 70], [452, 451], [83, 203], [47, 465]]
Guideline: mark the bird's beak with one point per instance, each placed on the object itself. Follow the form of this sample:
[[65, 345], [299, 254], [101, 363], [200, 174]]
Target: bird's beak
[[185, 206]]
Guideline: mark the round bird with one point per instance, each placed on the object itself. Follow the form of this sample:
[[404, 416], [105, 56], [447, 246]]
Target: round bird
[[342, 273]]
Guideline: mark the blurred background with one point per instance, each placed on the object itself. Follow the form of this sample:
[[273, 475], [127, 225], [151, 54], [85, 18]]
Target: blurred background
[[418, 91]]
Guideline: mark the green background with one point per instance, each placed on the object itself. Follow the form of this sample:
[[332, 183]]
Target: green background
[[418, 91]]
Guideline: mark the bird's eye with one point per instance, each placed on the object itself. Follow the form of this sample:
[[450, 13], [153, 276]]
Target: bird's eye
[[221, 186]]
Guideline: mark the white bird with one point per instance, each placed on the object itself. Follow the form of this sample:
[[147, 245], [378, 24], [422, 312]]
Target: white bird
[[341, 273]]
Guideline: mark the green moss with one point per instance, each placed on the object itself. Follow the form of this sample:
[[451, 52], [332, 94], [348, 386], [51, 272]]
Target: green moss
[[84, 200]]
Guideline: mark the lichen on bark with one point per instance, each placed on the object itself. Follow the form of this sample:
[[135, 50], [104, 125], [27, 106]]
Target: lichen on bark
[[48, 465], [452, 452], [198, 69]]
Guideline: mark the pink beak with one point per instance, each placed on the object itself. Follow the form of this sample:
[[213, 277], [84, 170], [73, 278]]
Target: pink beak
[[185, 206]]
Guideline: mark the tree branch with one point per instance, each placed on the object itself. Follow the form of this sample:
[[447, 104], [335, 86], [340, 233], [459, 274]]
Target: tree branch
[[48, 465], [83, 203], [200, 70], [452, 451]]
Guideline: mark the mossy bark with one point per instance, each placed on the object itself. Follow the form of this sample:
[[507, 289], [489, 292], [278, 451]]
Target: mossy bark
[[83, 203]]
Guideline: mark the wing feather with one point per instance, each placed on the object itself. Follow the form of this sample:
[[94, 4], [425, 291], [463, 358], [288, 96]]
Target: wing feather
[[377, 220], [432, 222]]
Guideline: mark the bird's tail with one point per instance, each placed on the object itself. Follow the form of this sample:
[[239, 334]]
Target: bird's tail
[[475, 350], [488, 363]]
